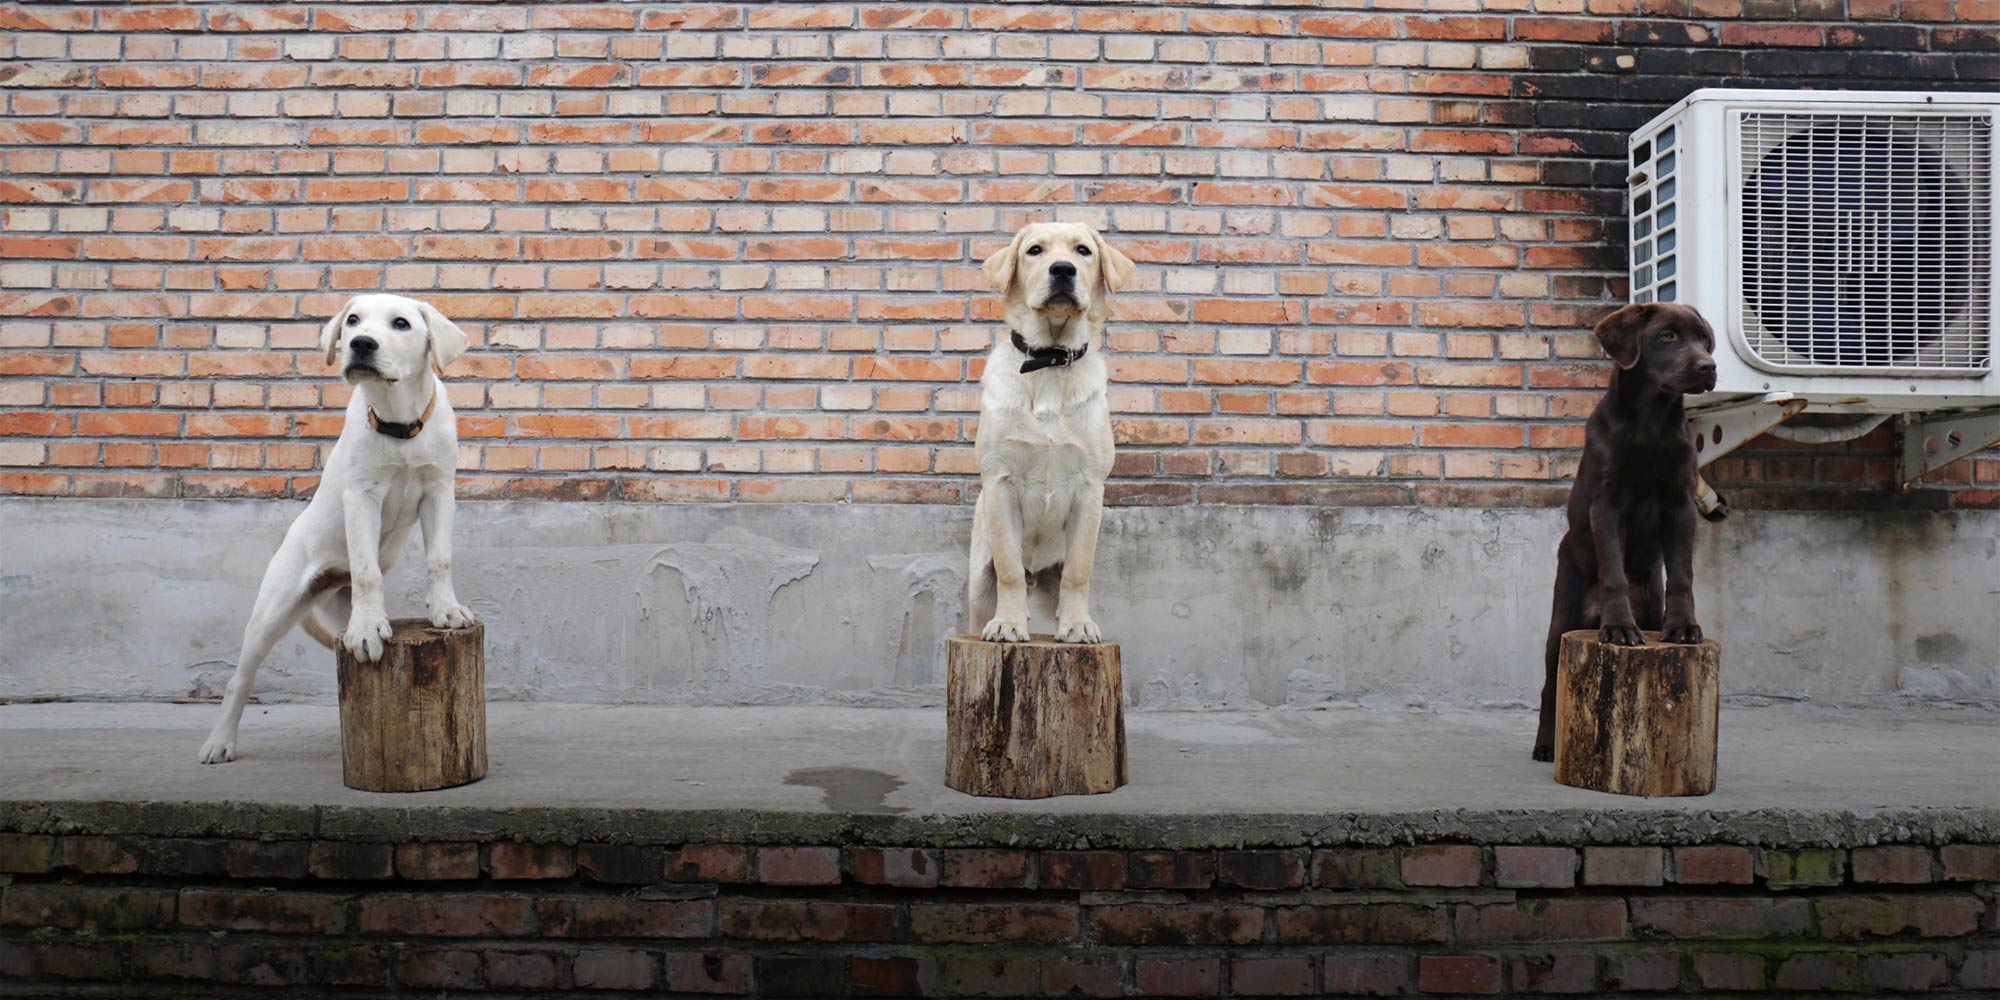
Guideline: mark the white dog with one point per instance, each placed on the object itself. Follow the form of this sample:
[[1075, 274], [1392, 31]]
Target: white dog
[[395, 466], [1044, 443]]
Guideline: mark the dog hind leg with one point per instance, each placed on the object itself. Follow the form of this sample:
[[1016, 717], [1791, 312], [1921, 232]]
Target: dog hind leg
[[282, 599]]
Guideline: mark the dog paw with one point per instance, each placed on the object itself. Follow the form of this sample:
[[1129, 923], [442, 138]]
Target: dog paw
[[218, 749], [1002, 630], [1621, 635], [1684, 633], [1078, 631], [366, 637], [1545, 752], [450, 614]]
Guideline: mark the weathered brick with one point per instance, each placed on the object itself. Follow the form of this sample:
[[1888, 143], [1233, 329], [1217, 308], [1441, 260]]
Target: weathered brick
[[1820, 972], [798, 865], [350, 861], [1271, 977], [1178, 924], [1971, 862], [79, 907], [1357, 868], [527, 970], [268, 912], [905, 867], [26, 853], [437, 861], [528, 861], [1726, 971], [715, 863], [619, 917], [1177, 977], [1362, 923], [467, 914], [1447, 865], [614, 969], [1556, 973], [1714, 865], [1899, 864], [986, 869], [1083, 870], [1459, 974], [1704, 917], [1261, 869], [1804, 869], [1906, 973], [1351, 973], [621, 864], [1624, 866], [1534, 867], [1853, 917], [1643, 971], [706, 972]]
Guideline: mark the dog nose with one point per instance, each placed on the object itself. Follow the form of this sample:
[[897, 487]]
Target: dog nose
[[1063, 269], [1705, 366], [362, 345]]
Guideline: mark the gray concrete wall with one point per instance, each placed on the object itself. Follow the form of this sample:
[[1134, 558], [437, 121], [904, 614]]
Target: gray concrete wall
[[845, 604]]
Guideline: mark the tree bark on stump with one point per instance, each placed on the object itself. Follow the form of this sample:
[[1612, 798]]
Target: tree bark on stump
[[1027, 720], [415, 720], [1637, 720]]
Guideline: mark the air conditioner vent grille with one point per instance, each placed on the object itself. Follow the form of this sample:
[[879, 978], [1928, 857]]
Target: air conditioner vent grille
[[1863, 241]]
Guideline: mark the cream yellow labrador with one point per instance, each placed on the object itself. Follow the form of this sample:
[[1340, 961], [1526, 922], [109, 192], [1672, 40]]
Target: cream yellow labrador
[[1044, 445], [394, 467]]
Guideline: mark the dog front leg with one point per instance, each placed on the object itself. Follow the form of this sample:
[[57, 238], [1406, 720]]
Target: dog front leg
[[1073, 623], [1617, 624], [1010, 577], [368, 623], [1679, 624], [436, 514]]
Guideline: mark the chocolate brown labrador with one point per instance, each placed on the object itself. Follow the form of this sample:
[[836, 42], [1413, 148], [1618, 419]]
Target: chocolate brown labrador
[[1631, 511]]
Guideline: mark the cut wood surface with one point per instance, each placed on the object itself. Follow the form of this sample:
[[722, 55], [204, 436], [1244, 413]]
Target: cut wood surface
[[415, 720], [1027, 720], [1637, 720]]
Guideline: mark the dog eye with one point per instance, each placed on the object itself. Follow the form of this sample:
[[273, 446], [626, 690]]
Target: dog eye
[[352, 319], [1669, 336], [400, 323], [1082, 251], [1034, 251]]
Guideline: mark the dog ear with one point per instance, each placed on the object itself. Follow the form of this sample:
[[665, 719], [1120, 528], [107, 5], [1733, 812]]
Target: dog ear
[[1000, 267], [447, 340], [1619, 332], [1113, 266], [329, 335]]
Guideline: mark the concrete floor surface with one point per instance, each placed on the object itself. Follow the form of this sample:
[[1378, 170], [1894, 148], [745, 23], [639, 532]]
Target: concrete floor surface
[[1788, 774]]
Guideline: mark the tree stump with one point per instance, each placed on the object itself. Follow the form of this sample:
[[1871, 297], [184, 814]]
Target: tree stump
[[1027, 720], [415, 720], [1637, 720]]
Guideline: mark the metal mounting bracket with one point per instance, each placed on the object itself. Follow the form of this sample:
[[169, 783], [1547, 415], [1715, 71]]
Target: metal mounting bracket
[[1932, 441], [1725, 427]]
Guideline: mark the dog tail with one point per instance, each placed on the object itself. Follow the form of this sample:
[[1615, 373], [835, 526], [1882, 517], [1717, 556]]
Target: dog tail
[[317, 629]]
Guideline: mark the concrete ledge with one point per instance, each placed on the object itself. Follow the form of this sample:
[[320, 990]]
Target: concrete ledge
[[1791, 778]]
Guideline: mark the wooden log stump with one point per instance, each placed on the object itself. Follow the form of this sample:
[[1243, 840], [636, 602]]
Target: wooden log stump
[[1027, 720], [1637, 720], [415, 720]]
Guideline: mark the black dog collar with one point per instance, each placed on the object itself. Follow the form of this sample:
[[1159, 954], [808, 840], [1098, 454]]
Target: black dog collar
[[1045, 357], [403, 431]]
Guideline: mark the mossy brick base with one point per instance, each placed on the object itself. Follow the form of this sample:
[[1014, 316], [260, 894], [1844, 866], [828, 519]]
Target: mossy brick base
[[91, 914]]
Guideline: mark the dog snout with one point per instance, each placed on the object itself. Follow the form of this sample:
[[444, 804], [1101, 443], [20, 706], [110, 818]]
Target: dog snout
[[1063, 269], [362, 346], [1705, 367]]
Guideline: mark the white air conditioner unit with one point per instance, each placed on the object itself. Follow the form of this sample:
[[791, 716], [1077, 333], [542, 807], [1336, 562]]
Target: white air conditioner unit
[[1842, 244]]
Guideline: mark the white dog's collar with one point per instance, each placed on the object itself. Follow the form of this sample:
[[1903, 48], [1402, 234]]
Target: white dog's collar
[[403, 431], [1045, 357]]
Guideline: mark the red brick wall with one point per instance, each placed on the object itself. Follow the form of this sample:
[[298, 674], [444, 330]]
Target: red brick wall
[[727, 251], [178, 914]]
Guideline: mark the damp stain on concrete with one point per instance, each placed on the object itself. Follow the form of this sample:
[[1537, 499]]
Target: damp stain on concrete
[[850, 789]]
